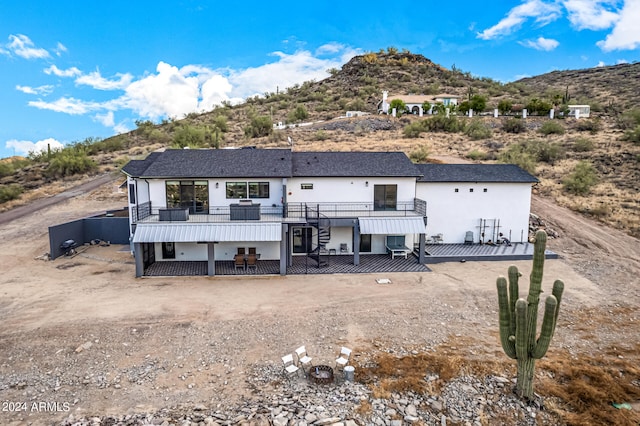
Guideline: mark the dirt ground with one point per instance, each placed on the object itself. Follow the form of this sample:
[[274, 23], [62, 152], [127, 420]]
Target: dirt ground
[[83, 333]]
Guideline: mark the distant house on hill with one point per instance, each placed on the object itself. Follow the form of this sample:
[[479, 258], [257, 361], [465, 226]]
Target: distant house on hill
[[579, 111], [415, 103]]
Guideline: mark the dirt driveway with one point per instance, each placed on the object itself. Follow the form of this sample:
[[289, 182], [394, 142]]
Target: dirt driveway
[[85, 332]]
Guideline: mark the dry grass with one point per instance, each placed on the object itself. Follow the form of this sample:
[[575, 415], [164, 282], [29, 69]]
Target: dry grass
[[576, 389]]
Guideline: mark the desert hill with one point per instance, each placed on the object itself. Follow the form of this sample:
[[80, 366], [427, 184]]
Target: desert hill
[[608, 142]]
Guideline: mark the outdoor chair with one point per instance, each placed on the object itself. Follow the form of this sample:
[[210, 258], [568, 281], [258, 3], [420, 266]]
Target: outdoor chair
[[468, 237], [238, 262], [252, 250], [289, 368], [241, 250], [344, 248], [343, 358], [252, 262], [304, 360]]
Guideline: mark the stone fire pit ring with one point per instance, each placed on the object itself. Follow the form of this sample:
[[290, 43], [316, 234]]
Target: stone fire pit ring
[[321, 374]]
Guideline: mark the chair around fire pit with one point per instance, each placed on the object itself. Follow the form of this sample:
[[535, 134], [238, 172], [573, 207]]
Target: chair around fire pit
[[304, 360], [343, 358], [289, 368]]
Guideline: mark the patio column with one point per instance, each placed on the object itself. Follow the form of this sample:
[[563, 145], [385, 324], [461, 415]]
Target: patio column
[[137, 250], [211, 259], [421, 249], [284, 256], [356, 243]]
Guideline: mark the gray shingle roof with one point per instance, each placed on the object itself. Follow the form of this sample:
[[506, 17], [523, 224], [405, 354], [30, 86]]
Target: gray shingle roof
[[137, 167], [204, 163], [352, 164], [507, 173]]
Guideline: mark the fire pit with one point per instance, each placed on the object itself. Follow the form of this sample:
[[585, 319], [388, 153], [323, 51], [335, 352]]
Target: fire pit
[[321, 374]]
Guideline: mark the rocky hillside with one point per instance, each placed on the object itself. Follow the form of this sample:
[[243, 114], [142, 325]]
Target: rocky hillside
[[558, 148]]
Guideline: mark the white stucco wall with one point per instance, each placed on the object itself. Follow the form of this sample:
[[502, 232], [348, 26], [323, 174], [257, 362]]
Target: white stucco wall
[[346, 190], [453, 213], [268, 250], [218, 196]]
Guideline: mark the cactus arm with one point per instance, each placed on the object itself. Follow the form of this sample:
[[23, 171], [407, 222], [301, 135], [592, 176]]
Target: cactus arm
[[505, 315], [522, 344], [514, 294], [548, 327], [558, 289]]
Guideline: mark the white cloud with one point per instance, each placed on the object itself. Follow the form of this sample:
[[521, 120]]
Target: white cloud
[[543, 13], [105, 119], [40, 90], [622, 61], [541, 43], [626, 31], [168, 92], [25, 147], [60, 49], [601, 64], [95, 80], [120, 128], [173, 92], [70, 106], [71, 72], [22, 46], [590, 14]]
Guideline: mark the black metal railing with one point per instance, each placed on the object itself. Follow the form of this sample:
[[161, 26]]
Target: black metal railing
[[313, 210], [141, 211], [220, 214]]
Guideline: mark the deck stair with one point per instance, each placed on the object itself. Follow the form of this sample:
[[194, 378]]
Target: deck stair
[[320, 253]]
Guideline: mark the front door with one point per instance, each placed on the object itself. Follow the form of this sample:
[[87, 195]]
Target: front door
[[168, 250], [302, 239]]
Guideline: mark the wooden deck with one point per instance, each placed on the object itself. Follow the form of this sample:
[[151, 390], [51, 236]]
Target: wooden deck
[[438, 253]]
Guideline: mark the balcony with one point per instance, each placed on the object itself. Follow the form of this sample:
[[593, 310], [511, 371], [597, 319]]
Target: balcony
[[416, 207], [290, 212]]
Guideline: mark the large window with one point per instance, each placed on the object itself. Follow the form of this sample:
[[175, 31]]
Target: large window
[[188, 194], [247, 189], [385, 197]]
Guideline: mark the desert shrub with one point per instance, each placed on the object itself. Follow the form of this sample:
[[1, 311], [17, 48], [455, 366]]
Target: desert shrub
[[441, 123], [259, 126], [552, 127], [476, 130], [478, 103], [399, 105], [629, 119], [189, 136], [413, 130], [513, 125], [157, 135], [277, 136], [299, 113], [582, 179], [220, 121], [504, 106], [632, 135], [69, 162], [537, 106], [356, 105], [477, 155], [420, 154], [10, 192], [583, 145], [320, 135], [592, 125], [8, 167], [518, 154]]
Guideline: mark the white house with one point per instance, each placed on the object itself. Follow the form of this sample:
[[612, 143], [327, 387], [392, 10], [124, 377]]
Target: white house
[[579, 111], [484, 199], [208, 205], [415, 103]]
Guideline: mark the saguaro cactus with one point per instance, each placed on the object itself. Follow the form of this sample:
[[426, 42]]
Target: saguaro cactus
[[519, 318]]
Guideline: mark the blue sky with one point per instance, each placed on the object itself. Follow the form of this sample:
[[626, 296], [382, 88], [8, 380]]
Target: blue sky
[[76, 69]]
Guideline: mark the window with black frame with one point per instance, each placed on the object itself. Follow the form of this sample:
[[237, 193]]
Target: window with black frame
[[237, 190], [385, 197], [188, 194]]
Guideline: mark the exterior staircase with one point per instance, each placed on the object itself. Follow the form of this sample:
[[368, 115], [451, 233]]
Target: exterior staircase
[[320, 254]]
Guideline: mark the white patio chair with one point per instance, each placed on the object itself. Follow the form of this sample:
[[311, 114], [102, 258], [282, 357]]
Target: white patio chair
[[289, 368], [304, 360], [343, 358]]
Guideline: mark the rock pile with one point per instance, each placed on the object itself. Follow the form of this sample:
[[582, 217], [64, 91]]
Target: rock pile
[[536, 223]]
